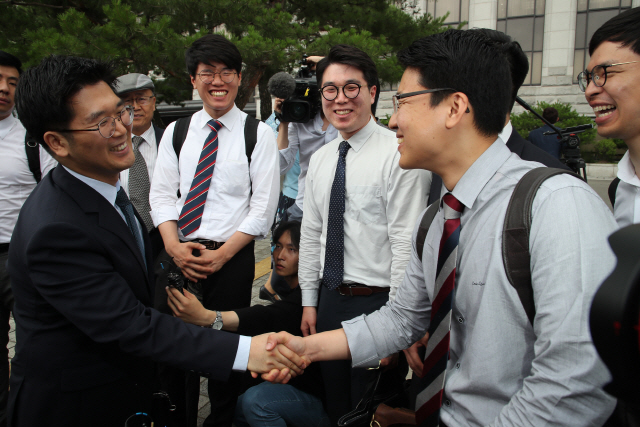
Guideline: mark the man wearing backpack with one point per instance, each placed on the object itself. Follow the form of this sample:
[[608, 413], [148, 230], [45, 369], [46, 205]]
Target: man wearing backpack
[[17, 161], [212, 194], [610, 84], [486, 362]]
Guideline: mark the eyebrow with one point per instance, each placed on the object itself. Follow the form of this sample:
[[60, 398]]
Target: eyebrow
[[95, 115], [346, 83]]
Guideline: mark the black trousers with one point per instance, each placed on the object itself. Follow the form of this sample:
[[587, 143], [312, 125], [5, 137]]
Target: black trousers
[[227, 289], [343, 385], [6, 305]]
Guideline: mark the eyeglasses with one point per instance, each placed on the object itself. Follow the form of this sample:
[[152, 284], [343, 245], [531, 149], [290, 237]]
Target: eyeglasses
[[107, 126], [396, 98], [598, 74], [141, 100], [207, 77], [331, 92]]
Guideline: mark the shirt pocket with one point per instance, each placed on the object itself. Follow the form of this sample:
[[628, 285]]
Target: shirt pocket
[[365, 204], [232, 177]]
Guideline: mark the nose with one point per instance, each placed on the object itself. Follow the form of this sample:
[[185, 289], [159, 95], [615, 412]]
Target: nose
[[4, 85], [591, 90], [341, 98], [393, 122]]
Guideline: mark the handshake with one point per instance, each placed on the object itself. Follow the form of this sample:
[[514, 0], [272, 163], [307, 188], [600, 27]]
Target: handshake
[[278, 357]]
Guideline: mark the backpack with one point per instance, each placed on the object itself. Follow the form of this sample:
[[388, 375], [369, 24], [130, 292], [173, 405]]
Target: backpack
[[515, 233], [613, 187], [33, 156]]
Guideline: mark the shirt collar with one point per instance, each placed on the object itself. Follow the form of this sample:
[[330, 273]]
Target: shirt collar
[[107, 191], [357, 141], [626, 171], [228, 120], [506, 132], [7, 125], [149, 135], [479, 174]]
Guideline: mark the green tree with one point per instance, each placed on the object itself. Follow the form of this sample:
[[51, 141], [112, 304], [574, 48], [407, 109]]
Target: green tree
[[152, 35]]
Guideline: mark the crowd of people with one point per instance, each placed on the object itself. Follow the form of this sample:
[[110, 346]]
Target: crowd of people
[[103, 210]]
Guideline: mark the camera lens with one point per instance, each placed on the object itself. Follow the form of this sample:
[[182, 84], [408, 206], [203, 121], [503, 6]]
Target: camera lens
[[298, 111]]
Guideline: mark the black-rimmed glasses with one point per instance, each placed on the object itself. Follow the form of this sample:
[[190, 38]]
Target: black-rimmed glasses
[[207, 77], [107, 126], [140, 100], [397, 97], [350, 90], [598, 75]]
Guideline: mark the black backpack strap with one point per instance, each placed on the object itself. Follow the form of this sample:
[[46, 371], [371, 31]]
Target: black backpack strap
[[250, 141], [613, 187], [180, 134], [425, 223], [434, 190], [515, 234], [33, 156]]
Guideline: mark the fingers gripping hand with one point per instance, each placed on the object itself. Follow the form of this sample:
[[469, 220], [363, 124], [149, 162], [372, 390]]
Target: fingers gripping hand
[[264, 357], [413, 355]]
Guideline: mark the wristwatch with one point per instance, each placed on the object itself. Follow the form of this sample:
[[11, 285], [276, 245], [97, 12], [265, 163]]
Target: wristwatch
[[217, 324]]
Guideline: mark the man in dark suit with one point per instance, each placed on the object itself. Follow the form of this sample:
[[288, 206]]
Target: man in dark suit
[[138, 90], [519, 67], [86, 335], [547, 143]]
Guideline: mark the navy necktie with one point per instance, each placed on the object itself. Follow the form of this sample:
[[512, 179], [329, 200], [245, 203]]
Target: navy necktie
[[334, 249], [127, 209]]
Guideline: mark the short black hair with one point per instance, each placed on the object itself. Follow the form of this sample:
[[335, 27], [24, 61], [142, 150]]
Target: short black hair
[[293, 227], [468, 62], [551, 114], [354, 57], [8, 60], [213, 48], [623, 28], [518, 61], [44, 92]]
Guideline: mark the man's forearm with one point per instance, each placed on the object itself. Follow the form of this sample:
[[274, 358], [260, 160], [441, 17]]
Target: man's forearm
[[283, 136], [236, 242], [330, 345]]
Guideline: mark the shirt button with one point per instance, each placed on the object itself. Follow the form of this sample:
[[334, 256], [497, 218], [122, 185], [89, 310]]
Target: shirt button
[[458, 365], [460, 319], [447, 403]]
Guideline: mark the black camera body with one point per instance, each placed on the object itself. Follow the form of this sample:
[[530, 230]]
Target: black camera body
[[570, 146], [304, 103]]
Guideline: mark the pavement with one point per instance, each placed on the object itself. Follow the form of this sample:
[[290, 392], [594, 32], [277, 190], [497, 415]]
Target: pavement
[[263, 267]]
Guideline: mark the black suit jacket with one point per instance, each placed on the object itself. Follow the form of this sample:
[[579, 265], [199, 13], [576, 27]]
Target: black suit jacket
[[86, 335], [157, 245], [518, 145]]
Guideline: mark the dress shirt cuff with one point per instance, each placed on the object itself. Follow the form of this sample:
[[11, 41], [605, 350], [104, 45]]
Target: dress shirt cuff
[[242, 355], [286, 160], [254, 227], [309, 297], [164, 214], [360, 340]]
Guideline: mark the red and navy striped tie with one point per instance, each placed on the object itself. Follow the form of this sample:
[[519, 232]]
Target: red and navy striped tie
[[431, 385], [193, 208]]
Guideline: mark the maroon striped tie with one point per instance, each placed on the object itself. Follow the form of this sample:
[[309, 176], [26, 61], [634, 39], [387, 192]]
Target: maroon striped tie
[[431, 385]]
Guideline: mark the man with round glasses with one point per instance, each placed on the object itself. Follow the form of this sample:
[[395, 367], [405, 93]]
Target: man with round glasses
[[138, 90], [610, 85]]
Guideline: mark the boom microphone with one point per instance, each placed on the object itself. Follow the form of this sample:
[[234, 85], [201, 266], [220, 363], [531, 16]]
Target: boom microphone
[[281, 85]]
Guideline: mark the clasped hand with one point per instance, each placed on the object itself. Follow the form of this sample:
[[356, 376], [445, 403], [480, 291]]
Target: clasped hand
[[286, 353], [193, 267]]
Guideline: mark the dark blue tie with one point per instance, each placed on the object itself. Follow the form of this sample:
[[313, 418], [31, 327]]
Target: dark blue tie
[[334, 250], [127, 209]]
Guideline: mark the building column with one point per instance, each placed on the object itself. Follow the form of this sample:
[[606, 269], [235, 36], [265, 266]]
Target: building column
[[483, 14], [559, 42], [635, 3]]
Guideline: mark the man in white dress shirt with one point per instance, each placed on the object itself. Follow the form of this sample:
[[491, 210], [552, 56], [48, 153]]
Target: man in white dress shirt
[[381, 203], [139, 91], [610, 83], [216, 246], [16, 183]]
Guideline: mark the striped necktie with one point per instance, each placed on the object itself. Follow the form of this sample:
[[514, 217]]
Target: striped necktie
[[431, 385], [139, 184], [191, 213]]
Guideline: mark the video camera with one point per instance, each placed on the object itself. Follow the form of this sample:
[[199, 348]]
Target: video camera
[[301, 94], [568, 140]]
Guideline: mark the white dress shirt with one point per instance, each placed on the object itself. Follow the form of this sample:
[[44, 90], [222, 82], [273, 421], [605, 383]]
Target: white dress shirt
[[16, 180], [627, 206], [230, 204], [502, 371], [382, 202], [506, 132], [305, 138], [149, 151]]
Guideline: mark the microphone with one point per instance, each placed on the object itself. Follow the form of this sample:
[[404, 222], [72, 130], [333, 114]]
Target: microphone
[[281, 85]]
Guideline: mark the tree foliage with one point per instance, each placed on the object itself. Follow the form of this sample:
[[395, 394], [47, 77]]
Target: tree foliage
[[152, 35]]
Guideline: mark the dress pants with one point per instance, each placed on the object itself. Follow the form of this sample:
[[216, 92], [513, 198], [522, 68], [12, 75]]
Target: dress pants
[[6, 304], [227, 289], [344, 386]]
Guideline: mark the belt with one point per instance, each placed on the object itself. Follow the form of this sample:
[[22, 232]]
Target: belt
[[4, 247], [210, 244], [356, 289]]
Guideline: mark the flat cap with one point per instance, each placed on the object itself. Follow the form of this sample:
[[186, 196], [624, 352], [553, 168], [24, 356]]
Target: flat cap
[[132, 81]]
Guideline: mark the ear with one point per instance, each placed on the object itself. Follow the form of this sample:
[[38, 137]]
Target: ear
[[57, 143], [457, 104], [372, 91], [239, 78], [193, 82]]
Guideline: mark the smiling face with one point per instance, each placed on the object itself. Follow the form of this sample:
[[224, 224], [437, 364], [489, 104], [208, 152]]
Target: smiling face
[[286, 256], [617, 103], [142, 114], [88, 152], [347, 115], [8, 82], [218, 97]]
